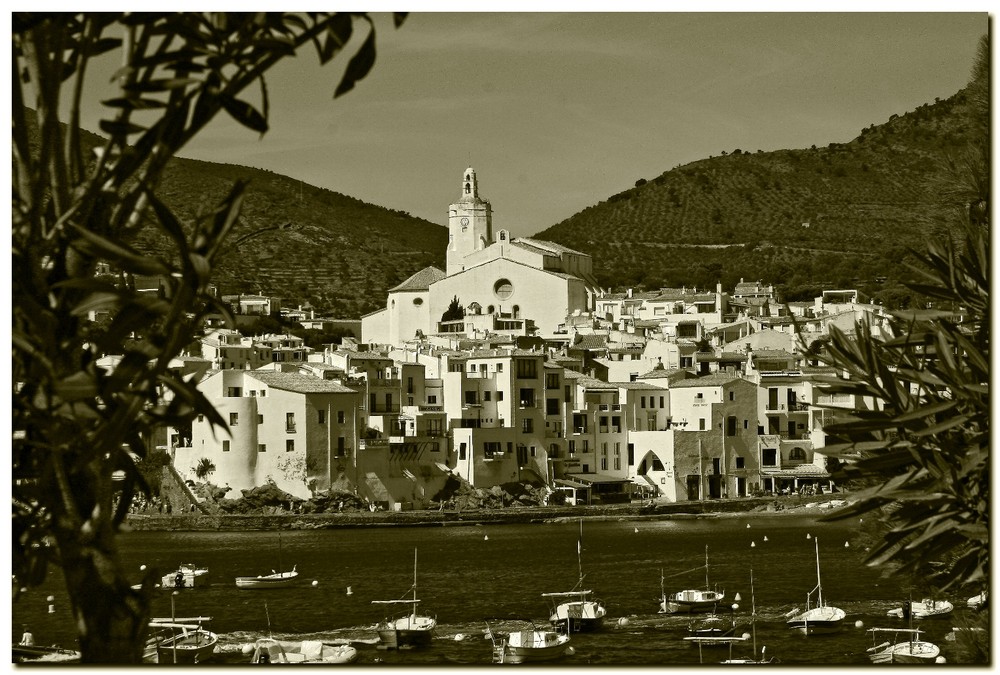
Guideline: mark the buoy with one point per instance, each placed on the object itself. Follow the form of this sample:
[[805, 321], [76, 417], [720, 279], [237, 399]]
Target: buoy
[[753, 544], [748, 526], [746, 636], [486, 537], [847, 544], [859, 624], [622, 622], [315, 583], [808, 536], [765, 537], [349, 591], [459, 637], [939, 659], [570, 651], [246, 648], [50, 599], [637, 529], [142, 568], [24, 589]]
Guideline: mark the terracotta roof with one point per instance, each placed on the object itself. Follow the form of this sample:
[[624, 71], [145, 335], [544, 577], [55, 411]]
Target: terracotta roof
[[547, 246], [421, 281], [713, 380], [303, 384], [590, 342]]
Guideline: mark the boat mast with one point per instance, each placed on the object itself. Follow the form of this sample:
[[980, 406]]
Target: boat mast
[[707, 588], [414, 582], [579, 554], [819, 584], [753, 614]]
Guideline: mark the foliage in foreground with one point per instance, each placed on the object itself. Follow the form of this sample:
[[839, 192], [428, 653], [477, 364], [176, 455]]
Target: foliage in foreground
[[74, 214]]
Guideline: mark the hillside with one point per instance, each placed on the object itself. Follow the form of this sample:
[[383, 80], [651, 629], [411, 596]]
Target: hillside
[[842, 215], [334, 251], [337, 252]]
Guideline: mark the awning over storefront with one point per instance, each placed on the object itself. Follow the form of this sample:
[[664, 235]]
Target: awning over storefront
[[570, 483], [594, 478], [802, 471]]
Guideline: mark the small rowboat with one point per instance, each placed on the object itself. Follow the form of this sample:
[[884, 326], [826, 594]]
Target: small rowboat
[[923, 609], [272, 580]]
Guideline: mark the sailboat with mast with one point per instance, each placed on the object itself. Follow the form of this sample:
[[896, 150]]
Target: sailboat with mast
[[411, 629], [822, 618], [691, 600], [273, 580], [576, 611], [753, 632]]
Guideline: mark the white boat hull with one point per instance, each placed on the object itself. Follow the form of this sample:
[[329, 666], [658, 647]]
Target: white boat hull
[[924, 609], [529, 646], [917, 651], [187, 576], [818, 621], [406, 631], [277, 580], [269, 650], [579, 616], [187, 647], [691, 602]]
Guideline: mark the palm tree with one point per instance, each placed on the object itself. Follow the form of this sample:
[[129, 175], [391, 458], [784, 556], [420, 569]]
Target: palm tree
[[204, 469]]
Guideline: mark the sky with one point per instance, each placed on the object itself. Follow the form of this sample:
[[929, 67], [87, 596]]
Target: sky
[[558, 111]]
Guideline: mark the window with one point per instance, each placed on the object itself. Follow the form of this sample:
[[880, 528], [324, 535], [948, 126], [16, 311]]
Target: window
[[732, 395], [487, 395], [499, 365], [461, 450], [201, 418], [797, 455], [527, 369], [290, 445], [503, 289], [262, 447], [740, 463], [499, 395], [701, 424], [746, 424], [604, 463], [234, 419], [572, 447], [527, 425], [418, 301], [642, 401], [770, 457], [225, 446], [661, 401], [321, 415], [470, 398], [552, 381], [340, 417], [699, 395], [233, 391], [340, 446], [616, 424], [731, 425], [432, 399], [290, 422], [586, 446], [260, 419], [409, 385], [551, 406]]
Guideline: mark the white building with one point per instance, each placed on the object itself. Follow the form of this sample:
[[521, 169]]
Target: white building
[[504, 284]]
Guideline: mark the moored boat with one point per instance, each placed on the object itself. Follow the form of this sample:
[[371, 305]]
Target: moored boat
[[181, 643], [185, 576], [691, 600], [411, 629], [822, 618], [39, 654], [270, 650], [909, 650], [979, 601], [921, 610], [576, 611], [763, 658], [272, 580], [526, 644]]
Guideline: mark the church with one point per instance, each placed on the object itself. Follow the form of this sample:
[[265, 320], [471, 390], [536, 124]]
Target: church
[[505, 285]]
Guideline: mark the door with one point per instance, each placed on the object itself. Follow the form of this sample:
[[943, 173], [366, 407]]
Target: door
[[694, 488]]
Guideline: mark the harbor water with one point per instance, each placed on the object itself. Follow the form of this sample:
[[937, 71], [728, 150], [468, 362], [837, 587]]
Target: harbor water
[[467, 573]]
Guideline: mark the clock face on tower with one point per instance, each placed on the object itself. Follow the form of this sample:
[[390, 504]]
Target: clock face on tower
[[465, 223]]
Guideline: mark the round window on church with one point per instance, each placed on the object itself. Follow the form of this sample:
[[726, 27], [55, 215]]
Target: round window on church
[[418, 301], [503, 288]]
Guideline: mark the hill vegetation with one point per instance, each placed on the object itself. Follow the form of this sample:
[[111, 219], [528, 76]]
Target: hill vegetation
[[841, 215]]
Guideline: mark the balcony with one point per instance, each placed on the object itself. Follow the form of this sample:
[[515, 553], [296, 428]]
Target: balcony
[[290, 428], [384, 409], [581, 430], [393, 383], [786, 407], [612, 407]]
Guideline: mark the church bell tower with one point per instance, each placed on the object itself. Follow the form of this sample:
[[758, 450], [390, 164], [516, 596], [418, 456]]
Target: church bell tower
[[470, 224]]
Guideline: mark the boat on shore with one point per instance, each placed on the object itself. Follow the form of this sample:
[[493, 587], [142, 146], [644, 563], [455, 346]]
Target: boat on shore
[[180, 641], [691, 600], [574, 611], [40, 655], [270, 650], [186, 576], [411, 629], [909, 650], [822, 618], [922, 609], [524, 642]]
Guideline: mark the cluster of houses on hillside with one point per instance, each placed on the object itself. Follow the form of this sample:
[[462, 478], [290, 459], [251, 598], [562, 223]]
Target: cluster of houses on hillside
[[542, 376]]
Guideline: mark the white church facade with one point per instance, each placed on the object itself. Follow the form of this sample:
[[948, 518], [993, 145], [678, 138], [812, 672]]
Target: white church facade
[[502, 283]]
